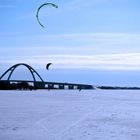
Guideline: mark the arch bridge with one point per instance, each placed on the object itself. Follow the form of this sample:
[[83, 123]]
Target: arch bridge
[[35, 84]]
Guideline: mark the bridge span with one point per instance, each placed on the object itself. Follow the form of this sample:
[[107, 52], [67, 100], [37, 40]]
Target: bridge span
[[22, 84], [34, 84]]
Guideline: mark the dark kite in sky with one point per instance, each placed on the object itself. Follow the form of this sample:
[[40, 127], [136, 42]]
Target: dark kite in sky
[[45, 4]]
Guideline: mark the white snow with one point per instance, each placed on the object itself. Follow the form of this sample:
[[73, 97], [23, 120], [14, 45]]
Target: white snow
[[70, 115]]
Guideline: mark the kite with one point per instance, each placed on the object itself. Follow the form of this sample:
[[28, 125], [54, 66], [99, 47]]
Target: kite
[[48, 65], [45, 4]]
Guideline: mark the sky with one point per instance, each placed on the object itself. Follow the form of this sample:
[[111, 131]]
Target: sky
[[92, 41]]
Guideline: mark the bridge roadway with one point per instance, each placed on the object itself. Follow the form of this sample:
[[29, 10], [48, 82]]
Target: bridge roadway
[[43, 85]]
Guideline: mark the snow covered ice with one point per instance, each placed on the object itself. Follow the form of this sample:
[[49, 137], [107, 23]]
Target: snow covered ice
[[70, 115]]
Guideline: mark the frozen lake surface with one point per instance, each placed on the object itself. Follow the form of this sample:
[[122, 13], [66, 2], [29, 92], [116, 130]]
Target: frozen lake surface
[[70, 115]]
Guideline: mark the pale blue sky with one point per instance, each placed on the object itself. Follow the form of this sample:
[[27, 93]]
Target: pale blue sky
[[86, 41]]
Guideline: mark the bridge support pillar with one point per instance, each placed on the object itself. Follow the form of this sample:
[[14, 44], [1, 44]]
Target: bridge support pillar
[[71, 87], [50, 86], [61, 86]]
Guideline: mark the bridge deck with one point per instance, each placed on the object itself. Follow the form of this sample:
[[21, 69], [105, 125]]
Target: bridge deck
[[46, 85]]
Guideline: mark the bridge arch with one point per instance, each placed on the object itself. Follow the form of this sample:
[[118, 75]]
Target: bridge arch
[[11, 70]]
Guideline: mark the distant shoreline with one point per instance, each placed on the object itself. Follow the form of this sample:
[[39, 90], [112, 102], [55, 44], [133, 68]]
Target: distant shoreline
[[118, 88]]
